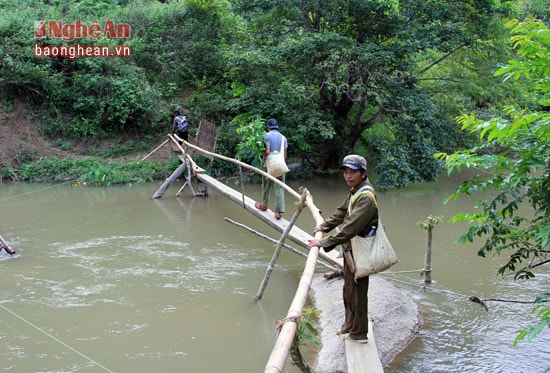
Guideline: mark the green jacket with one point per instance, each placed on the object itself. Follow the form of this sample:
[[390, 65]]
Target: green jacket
[[364, 215]]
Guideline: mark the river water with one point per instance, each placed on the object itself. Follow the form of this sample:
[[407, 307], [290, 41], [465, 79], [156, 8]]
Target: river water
[[108, 279]]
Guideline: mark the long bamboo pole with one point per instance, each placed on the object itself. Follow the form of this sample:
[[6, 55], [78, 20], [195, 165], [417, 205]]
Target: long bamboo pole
[[237, 162], [154, 150], [282, 347], [281, 350], [278, 249]]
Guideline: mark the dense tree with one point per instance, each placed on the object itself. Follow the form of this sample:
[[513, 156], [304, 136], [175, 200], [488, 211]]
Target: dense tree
[[514, 162], [175, 54], [341, 67], [381, 77]]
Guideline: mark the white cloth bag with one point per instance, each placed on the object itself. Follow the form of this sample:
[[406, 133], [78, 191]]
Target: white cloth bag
[[275, 162], [371, 254]]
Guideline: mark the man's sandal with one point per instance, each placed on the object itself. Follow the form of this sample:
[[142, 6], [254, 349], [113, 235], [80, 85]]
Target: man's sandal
[[259, 206]]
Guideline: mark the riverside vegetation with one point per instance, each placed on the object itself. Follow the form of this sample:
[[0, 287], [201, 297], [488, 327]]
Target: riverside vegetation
[[382, 78]]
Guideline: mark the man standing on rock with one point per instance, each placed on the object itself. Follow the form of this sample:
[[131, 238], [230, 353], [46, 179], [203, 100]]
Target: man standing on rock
[[357, 216]]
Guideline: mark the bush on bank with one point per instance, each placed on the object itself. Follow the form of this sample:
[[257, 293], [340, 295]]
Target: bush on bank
[[91, 171]]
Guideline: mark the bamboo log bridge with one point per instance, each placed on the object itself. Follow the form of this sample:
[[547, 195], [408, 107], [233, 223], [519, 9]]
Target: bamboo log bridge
[[361, 357]]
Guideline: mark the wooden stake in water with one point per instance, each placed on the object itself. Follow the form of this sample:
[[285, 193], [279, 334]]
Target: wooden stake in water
[[428, 258], [4, 245], [177, 173]]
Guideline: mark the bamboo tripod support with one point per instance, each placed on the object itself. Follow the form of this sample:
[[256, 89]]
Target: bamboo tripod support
[[280, 244], [188, 181]]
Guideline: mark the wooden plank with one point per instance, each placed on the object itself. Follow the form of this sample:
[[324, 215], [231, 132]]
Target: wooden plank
[[363, 357], [296, 234], [160, 192]]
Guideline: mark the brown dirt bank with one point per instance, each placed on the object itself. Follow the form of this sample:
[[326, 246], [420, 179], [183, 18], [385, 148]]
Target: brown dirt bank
[[20, 141], [19, 138]]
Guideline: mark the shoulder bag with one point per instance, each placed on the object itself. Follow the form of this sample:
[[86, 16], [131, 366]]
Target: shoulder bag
[[275, 162], [375, 253]]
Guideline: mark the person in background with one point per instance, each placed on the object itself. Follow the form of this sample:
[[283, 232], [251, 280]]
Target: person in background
[[180, 125], [359, 221], [273, 140]]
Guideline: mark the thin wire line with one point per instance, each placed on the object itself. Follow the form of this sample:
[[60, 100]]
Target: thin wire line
[[433, 289], [56, 339], [34, 191]]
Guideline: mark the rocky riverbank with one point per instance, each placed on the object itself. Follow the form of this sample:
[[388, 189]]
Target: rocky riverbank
[[395, 319]]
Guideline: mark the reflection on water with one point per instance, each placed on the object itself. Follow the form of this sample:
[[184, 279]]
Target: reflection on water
[[111, 280]]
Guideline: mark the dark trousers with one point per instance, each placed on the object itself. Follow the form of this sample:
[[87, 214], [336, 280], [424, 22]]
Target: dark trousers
[[356, 298], [183, 135]]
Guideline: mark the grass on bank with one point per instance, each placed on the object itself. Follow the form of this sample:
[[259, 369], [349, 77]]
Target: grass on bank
[[92, 171]]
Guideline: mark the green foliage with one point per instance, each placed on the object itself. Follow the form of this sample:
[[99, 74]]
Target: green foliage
[[21, 74], [308, 327], [520, 170], [514, 157], [536, 8], [430, 223], [177, 43], [251, 130], [50, 169], [108, 104], [328, 71], [333, 70], [7, 173], [174, 47], [107, 174], [544, 313], [92, 171], [306, 334]]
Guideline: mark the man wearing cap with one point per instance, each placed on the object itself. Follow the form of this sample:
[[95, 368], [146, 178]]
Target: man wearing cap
[[274, 141], [358, 221]]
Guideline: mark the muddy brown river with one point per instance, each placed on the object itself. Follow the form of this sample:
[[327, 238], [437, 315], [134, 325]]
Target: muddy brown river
[[108, 279]]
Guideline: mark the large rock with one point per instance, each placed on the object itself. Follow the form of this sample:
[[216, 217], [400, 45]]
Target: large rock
[[395, 319]]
